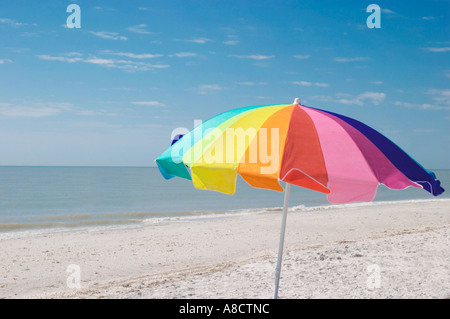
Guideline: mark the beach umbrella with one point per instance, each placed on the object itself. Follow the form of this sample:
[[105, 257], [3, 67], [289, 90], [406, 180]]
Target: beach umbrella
[[298, 145]]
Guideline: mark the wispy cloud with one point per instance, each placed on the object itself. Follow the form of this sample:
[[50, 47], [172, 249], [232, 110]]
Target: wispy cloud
[[3, 61], [126, 65], [441, 97], [306, 83], [232, 39], [389, 11], [302, 57], [209, 88], [134, 55], [99, 8], [231, 42], [98, 61], [108, 35], [33, 110], [11, 22], [252, 83], [94, 124], [353, 59], [376, 82], [94, 113], [195, 40], [423, 106], [59, 58], [428, 18], [436, 49], [253, 56], [140, 29], [360, 99], [184, 55], [372, 97], [148, 103], [425, 130]]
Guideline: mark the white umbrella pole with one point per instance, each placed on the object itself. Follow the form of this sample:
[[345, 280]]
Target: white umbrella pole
[[280, 247]]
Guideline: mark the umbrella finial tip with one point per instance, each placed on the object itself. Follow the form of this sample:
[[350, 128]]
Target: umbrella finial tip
[[297, 101]]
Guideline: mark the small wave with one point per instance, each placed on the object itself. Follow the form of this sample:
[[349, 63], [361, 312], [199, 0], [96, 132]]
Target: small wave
[[106, 221], [63, 217], [6, 227], [364, 204]]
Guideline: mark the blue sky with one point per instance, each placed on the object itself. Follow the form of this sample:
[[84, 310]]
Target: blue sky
[[111, 92]]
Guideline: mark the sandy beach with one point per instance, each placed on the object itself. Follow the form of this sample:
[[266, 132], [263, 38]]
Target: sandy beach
[[383, 250]]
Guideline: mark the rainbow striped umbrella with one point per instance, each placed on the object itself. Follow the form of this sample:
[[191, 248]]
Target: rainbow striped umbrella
[[296, 144]]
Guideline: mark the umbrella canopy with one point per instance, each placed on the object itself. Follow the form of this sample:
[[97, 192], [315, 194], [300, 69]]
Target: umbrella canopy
[[300, 145]]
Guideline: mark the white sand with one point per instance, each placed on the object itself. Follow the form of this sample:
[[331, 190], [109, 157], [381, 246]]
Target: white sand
[[380, 251]]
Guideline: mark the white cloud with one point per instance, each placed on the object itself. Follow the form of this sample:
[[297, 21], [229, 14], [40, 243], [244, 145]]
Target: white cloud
[[428, 18], [126, 65], [442, 49], [94, 113], [302, 57], [376, 82], [99, 61], [59, 58], [184, 55], [441, 97], [426, 130], [302, 83], [373, 97], [148, 103], [253, 56], [140, 29], [95, 124], [104, 9], [73, 54], [3, 61], [232, 39], [306, 83], [423, 106], [231, 42], [34, 110], [387, 11], [343, 98], [252, 83], [197, 40], [354, 59], [134, 55], [11, 22], [208, 88], [108, 35]]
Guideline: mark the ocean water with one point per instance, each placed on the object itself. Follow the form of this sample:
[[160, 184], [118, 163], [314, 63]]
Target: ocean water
[[35, 200]]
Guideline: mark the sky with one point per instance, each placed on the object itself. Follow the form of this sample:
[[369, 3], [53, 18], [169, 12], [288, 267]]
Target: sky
[[111, 92]]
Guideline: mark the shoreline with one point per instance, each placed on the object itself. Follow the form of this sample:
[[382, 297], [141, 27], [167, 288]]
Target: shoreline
[[172, 217], [235, 256]]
